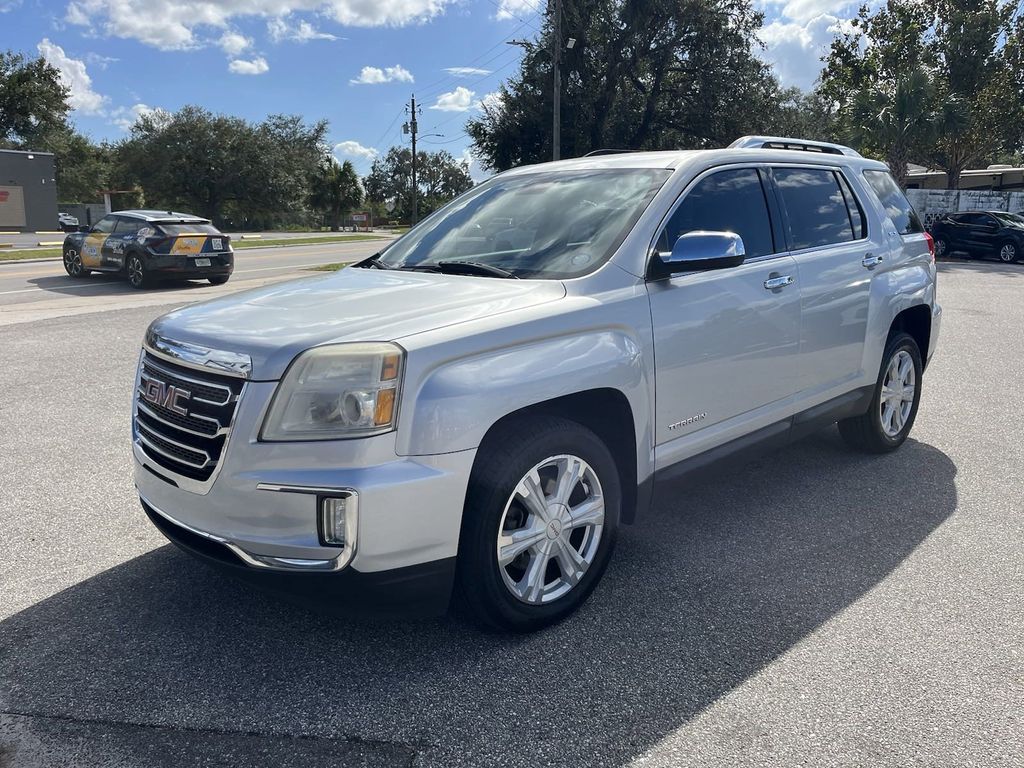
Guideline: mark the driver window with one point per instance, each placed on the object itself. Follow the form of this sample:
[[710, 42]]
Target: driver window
[[105, 225], [726, 201]]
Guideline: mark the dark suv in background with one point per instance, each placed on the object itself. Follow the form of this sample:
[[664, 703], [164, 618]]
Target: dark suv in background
[[981, 234], [149, 245]]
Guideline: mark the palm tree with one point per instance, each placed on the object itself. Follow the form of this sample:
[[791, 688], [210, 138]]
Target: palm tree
[[336, 191], [896, 121]]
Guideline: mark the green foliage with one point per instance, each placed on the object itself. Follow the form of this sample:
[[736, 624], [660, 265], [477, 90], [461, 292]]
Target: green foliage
[[336, 191], [936, 83], [643, 74], [439, 178], [83, 167], [242, 175], [33, 101]]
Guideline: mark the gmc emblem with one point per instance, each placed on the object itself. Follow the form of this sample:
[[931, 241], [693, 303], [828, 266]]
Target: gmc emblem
[[165, 395]]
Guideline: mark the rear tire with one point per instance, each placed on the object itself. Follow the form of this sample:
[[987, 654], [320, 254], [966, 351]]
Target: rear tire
[[893, 408], [218, 280], [73, 264], [138, 275], [553, 550], [1008, 252]]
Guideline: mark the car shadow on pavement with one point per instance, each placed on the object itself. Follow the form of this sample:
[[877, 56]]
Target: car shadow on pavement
[[731, 569], [105, 285], [952, 264]]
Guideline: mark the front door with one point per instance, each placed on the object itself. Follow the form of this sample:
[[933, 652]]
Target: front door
[[92, 246], [726, 342]]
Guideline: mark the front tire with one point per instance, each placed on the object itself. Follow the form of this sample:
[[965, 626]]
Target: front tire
[[1008, 252], [941, 246], [893, 408], [218, 280], [73, 264], [539, 524], [138, 275]]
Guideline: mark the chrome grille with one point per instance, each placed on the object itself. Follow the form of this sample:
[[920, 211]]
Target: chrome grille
[[183, 416]]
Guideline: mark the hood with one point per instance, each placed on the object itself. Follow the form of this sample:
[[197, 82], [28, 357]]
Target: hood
[[275, 323]]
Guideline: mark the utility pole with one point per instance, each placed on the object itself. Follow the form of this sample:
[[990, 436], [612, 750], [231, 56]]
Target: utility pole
[[411, 128], [556, 66]]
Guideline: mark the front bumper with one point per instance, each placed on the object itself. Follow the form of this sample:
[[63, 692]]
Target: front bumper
[[421, 590]]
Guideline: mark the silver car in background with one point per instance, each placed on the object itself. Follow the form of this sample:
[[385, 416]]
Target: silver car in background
[[478, 408]]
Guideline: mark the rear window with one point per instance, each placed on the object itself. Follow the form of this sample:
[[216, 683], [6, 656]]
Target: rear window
[[894, 201], [815, 207], [200, 228]]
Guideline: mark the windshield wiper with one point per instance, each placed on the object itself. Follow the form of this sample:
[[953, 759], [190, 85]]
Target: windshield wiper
[[473, 268], [372, 262]]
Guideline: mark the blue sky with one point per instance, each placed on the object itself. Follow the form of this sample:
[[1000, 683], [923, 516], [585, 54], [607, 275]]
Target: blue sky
[[353, 62]]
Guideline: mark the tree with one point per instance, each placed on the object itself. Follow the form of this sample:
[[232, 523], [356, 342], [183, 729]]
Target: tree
[[33, 100], [82, 166], [439, 178], [933, 82], [643, 74], [222, 167], [336, 191]]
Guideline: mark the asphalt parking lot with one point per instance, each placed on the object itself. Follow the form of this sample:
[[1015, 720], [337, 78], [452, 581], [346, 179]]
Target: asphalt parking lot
[[812, 607]]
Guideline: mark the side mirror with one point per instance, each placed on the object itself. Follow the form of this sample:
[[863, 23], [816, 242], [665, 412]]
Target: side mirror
[[699, 251], [83, 228]]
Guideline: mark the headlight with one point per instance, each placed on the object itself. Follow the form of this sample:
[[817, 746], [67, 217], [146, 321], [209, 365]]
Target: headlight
[[337, 391]]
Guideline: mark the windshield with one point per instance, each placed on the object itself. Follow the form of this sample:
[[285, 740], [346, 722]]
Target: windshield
[[1010, 218], [554, 224]]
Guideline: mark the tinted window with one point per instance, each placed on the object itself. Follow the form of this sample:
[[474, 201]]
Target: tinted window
[[127, 226], [726, 201], [857, 218], [894, 201], [815, 207], [202, 228], [105, 225]]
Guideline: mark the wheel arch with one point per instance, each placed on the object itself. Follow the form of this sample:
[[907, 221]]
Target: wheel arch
[[916, 321], [604, 411]]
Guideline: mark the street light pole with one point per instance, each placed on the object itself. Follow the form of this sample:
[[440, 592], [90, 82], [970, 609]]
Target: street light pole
[[412, 129], [556, 66]]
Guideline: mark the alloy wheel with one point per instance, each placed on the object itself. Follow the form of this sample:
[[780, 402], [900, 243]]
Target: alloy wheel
[[135, 275], [940, 247], [897, 398], [551, 529], [1008, 253], [73, 262]]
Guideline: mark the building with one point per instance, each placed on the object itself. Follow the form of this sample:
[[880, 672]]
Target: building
[[999, 178], [28, 191]]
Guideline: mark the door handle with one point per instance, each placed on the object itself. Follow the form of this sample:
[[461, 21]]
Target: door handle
[[774, 283], [870, 260]]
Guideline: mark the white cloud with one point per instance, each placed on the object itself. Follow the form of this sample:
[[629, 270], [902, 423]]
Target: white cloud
[[125, 117], [354, 149], [376, 76], [98, 60], [301, 32], [806, 10], [795, 49], [233, 43], [511, 9], [492, 101], [466, 71], [74, 76], [459, 100], [179, 19], [255, 66]]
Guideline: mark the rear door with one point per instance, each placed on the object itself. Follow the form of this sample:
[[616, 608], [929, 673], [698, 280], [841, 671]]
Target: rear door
[[120, 242], [726, 341], [835, 256]]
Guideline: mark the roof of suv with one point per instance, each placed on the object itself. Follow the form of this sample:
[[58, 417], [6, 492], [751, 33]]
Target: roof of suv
[[150, 215]]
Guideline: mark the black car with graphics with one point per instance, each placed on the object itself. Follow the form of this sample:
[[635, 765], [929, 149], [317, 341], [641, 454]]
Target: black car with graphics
[[147, 246], [981, 234]]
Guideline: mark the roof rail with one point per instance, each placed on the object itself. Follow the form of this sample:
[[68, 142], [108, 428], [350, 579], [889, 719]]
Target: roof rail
[[802, 145], [598, 152]]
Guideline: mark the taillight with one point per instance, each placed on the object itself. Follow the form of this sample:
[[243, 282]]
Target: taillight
[[931, 244]]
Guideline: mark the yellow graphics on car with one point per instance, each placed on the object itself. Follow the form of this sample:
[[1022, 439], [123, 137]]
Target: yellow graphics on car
[[146, 246]]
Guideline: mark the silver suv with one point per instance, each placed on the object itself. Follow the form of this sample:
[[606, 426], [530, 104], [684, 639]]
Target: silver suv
[[480, 406]]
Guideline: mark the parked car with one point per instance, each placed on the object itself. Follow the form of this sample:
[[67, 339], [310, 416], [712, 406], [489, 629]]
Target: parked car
[[147, 246], [67, 222], [981, 234], [481, 405]]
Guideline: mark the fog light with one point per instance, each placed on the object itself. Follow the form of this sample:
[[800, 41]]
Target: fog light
[[338, 518]]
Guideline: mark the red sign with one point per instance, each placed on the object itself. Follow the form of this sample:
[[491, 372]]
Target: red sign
[[4, 194]]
